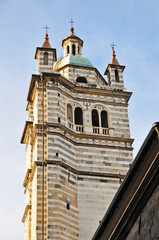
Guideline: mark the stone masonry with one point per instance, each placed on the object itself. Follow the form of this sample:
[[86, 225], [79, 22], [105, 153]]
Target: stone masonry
[[84, 164]]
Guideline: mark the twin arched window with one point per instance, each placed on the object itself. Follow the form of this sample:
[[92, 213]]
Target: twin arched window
[[95, 119], [78, 117]]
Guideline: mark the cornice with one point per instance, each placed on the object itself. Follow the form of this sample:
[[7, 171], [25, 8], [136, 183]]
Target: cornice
[[27, 208], [26, 179], [91, 99], [81, 172], [28, 124], [86, 136], [76, 89]]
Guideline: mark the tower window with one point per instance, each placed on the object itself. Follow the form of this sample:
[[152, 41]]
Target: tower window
[[73, 49], [45, 58], [116, 75], [59, 120], [69, 113], [81, 80], [104, 119], [68, 205], [109, 78], [95, 118], [68, 49], [78, 116]]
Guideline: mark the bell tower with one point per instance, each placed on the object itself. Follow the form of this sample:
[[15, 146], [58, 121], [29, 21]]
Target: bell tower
[[78, 144], [46, 56], [114, 72]]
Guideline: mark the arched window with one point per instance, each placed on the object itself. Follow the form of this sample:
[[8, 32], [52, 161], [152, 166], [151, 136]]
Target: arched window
[[73, 49], [95, 118], [78, 116], [45, 58], [68, 49], [69, 113], [81, 80], [116, 75], [104, 119]]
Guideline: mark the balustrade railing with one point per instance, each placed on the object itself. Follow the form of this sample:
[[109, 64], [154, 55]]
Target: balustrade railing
[[79, 128], [96, 130], [105, 131]]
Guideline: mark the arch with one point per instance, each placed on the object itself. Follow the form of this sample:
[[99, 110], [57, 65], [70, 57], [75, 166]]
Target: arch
[[116, 75], [104, 119], [95, 118], [69, 113], [45, 58], [81, 80], [68, 49], [78, 116], [73, 49]]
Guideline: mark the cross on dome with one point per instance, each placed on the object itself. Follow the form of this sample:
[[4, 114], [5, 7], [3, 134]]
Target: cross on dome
[[112, 46], [71, 21]]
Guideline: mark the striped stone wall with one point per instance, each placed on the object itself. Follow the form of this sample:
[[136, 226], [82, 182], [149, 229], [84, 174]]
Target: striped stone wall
[[83, 168]]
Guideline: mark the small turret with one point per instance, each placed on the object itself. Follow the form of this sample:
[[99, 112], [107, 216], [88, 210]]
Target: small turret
[[114, 72], [72, 45], [46, 56]]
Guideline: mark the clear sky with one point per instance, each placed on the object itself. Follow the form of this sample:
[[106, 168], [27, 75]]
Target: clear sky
[[134, 27]]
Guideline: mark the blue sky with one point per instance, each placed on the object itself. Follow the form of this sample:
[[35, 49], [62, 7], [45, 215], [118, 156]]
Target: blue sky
[[132, 25]]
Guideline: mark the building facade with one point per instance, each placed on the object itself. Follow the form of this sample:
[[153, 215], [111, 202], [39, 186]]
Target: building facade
[[78, 145]]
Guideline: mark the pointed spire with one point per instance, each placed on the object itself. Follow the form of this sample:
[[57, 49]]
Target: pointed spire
[[114, 60], [46, 43]]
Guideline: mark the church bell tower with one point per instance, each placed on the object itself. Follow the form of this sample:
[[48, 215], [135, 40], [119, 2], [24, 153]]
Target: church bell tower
[[78, 145]]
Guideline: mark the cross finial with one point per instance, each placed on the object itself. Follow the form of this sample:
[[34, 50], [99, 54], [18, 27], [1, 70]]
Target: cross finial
[[71, 21], [46, 28], [113, 45]]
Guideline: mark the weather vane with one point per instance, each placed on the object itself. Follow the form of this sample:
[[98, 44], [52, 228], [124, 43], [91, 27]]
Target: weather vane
[[71, 21], [113, 45], [46, 28]]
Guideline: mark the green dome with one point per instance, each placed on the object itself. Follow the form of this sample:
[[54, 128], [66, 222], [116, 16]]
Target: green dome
[[73, 60]]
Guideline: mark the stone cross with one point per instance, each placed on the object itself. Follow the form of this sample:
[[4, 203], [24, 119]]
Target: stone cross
[[46, 28]]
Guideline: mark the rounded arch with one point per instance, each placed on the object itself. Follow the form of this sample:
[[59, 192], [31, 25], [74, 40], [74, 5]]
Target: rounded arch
[[81, 79], [104, 119], [95, 118], [78, 114], [100, 107], [73, 49]]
